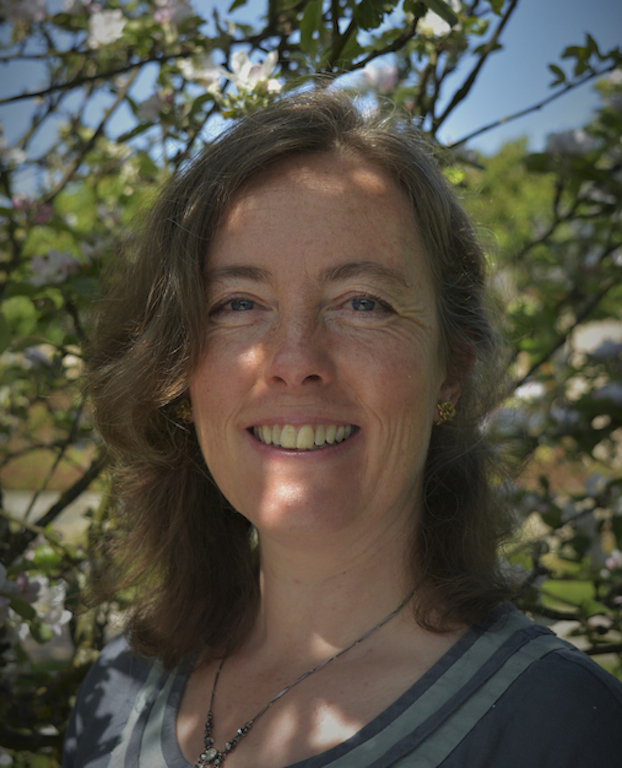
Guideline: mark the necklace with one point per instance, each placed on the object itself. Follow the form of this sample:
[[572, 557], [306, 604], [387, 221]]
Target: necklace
[[212, 756]]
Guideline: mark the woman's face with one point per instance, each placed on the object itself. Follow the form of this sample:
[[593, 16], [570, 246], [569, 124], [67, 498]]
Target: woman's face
[[315, 399]]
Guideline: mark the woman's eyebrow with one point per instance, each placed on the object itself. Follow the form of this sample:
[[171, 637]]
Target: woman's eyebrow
[[365, 269], [239, 272]]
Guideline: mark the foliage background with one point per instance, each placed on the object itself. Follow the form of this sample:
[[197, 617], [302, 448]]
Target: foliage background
[[551, 220]]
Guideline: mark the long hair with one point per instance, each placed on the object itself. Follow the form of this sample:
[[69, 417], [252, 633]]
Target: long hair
[[185, 555]]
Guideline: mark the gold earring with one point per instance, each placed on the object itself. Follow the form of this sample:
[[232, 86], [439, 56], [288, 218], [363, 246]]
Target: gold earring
[[183, 411], [446, 411]]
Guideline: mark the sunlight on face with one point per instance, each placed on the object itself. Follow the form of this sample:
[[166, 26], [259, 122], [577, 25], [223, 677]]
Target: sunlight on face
[[322, 325]]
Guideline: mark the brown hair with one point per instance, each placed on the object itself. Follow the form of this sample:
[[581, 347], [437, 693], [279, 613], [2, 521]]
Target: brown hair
[[185, 553]]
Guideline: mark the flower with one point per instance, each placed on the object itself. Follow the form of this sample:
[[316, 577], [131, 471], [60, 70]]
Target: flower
[[614, 561], [201, 70], [55, 267], [171, 12], [50, 605], [432, 25], [246, 76], [150, 109], [381, 78], [105, 27], [576, 142], [23, 10]]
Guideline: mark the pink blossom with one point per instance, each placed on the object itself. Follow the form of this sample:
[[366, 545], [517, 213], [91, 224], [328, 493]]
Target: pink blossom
[[21, 202], [381, 78]]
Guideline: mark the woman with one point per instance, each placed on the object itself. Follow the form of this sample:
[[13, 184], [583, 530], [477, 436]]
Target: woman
[[292, 368]]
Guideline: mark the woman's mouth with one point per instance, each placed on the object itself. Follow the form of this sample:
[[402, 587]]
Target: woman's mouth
[[304, 438]]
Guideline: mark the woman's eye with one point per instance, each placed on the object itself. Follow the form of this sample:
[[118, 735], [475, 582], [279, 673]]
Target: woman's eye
[[241, 305], [363, 305]]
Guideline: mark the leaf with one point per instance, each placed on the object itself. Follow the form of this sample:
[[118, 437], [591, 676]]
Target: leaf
[[311, 22], [369, 13], [5, 333], [41, 632], [497, 6], [443, 10], [24, 609], [236, 4], [560, 75]]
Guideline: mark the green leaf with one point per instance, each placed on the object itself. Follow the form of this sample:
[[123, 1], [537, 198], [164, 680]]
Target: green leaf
[[42, 633], [443, 10], [236, 4], [560, 75], [5, 333], [311, 22], [24, 609], [497, 6], [368, 14]]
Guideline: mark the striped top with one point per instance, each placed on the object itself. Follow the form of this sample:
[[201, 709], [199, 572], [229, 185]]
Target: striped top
[[508, 693]]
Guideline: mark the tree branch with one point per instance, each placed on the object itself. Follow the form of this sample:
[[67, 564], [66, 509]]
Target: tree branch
[[463, 91], [534, 108]]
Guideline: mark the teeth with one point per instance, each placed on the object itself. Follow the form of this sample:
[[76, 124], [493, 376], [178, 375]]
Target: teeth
[[305, 438]]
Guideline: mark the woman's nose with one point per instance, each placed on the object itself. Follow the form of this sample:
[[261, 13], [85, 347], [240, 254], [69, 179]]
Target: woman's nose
[[298, 353]]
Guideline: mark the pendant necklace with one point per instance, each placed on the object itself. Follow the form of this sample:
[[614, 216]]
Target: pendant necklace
[[212, 756]]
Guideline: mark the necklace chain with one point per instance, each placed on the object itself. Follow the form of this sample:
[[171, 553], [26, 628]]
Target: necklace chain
[[210, 756]]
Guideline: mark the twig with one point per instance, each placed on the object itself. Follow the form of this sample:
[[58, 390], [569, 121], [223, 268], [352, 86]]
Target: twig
[[588, 308], [533, 108], [86, 148], [464, 89]]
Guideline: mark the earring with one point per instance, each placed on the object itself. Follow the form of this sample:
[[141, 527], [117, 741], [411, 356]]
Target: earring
[[183, 411], [446, 411]]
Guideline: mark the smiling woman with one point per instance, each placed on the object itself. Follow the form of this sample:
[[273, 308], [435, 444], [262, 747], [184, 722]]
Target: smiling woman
[[292, 365]]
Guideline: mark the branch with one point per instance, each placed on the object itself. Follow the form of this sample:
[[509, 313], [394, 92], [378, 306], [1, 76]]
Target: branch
[[86, 148], [587, 309], [398, 43], [83, 80], [596, 650], [534, 108], [463, 91]]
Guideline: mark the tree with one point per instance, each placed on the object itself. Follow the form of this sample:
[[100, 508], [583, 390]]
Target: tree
[[128, 94]]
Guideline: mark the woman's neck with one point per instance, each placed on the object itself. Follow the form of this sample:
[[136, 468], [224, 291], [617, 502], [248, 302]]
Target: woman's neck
[[316, 601]]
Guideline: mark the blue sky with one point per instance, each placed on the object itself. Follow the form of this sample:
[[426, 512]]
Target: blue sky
[[511, 80]]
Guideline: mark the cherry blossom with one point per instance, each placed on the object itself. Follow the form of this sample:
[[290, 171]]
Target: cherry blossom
[[246, 76], [171, 12], [105, 27], [55, 267], [381, 78], [432, 25], [23, 10]]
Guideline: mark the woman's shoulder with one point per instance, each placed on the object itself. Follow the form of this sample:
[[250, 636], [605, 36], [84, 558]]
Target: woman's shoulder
[[104, 702], [556, 707]]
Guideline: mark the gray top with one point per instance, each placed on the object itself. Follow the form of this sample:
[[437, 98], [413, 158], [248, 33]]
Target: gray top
[[508, 694]]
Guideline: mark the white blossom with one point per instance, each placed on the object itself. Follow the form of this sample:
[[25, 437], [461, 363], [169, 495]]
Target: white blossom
[[150, 109], [11, 155], [381, 78], [55, 267], [50, 605], [614, 561], [171, 12], [432, 25], [202, 71], [246, 76], [5, 758], [105, 27], [73, 7], [23, 10], [576, 142]]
